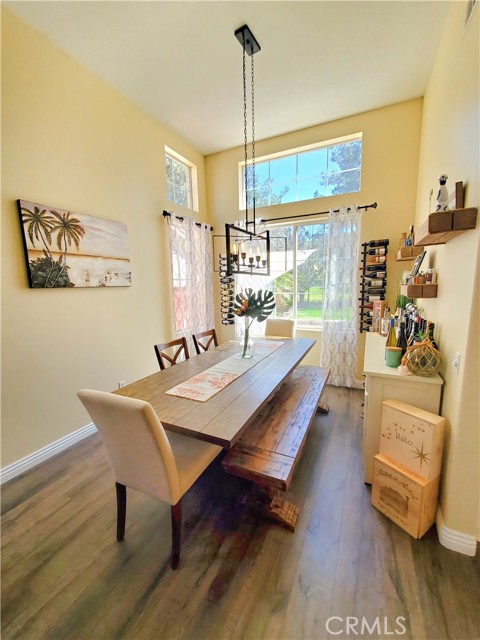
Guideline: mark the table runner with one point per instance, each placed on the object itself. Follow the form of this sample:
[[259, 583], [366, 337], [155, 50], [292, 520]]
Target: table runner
[[204, 385]]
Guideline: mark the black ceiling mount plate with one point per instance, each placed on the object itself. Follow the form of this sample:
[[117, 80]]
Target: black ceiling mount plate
[[244, 35]]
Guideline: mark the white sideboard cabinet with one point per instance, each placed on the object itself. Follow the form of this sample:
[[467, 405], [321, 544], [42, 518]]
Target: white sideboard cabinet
[[384, 383]]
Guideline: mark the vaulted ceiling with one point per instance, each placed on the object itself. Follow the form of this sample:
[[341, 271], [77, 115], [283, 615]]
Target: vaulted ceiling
[[180, 62]]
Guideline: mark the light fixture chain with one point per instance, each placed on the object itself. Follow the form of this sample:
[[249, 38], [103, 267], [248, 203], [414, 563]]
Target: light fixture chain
[[254, 188], [245, 133], [247, 252]]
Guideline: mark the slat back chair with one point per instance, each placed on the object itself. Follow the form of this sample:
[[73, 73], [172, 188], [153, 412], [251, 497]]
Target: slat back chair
[[145, 457], [204, 340], [181, 343], [280, 327]]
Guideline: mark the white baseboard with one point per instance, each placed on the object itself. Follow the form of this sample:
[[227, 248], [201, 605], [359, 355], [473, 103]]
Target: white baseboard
[[455, 540], [28, 462]]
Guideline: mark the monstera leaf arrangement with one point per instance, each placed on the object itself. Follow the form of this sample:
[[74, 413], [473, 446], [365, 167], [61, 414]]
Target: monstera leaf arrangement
[[251, 306]]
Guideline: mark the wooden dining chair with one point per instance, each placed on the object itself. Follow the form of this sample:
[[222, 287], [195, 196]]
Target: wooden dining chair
[[181, 343], [145, 457], [204, 340], [280, 327]]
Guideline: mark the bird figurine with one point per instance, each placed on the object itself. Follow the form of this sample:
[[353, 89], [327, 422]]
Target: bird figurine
[[442, 196]]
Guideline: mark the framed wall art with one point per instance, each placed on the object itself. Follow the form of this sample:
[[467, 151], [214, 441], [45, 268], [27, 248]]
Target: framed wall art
[[65, 249]]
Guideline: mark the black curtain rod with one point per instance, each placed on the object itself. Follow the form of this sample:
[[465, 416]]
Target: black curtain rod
[[320, 213], [169, 215]]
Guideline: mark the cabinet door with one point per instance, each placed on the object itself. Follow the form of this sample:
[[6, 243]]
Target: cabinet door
[[423, 395]]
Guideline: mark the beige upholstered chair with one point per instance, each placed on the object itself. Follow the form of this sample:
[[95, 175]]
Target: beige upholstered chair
[[280, 327], [145, 457], [181, 343], [203, 341]]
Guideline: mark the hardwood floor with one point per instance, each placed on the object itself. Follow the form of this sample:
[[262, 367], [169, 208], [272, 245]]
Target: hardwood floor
[[65, 576]]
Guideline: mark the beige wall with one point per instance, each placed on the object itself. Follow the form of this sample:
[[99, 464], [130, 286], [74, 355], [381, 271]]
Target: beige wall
[[391, 139], [450, 144], [71, 141]]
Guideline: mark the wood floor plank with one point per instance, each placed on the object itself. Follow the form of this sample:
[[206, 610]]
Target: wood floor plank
[[64, 576]]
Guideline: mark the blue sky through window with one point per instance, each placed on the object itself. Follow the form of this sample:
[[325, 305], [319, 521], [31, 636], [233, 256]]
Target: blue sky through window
[[314, 173]]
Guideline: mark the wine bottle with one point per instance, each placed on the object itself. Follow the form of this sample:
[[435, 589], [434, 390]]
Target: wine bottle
[[373, 268], [431, 329], [408, 325], [423, 326], [376, 260], [385, 322], [373, 274], [402, 339], [391, 336], [371, 282], [413, 332], [375, 290], [377, 251], [376, 243]]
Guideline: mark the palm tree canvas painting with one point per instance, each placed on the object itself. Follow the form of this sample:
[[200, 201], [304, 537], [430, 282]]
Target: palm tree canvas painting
[[65, 249]]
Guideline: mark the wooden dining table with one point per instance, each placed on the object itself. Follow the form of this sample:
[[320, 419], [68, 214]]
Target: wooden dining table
[[226, 415]]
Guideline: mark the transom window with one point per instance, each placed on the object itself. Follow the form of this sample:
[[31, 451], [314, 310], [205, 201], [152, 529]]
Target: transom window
[[316, 171], [181, 179], [298, 281]]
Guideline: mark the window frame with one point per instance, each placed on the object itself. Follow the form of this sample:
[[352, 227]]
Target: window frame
[[296, 152], [191, 187], [295, 292]]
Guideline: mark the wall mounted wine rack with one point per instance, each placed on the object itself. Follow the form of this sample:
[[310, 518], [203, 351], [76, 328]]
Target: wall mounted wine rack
[[373, 279], [227, 291]]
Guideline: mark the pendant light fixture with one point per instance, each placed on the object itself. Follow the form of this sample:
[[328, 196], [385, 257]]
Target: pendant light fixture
[[248, 251]]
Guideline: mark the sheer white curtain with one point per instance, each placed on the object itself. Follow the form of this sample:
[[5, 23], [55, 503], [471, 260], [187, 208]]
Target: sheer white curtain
[[191, 260], [339, 340]]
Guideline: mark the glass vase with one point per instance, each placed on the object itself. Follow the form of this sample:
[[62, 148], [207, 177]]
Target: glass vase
[[247, 346]]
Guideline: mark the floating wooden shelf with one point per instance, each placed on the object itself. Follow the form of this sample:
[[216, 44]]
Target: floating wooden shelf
[[419, 290], [442, 226], [407, 253]]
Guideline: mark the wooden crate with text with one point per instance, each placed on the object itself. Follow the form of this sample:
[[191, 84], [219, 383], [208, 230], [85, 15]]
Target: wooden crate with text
[[412, 437], [404, 497]]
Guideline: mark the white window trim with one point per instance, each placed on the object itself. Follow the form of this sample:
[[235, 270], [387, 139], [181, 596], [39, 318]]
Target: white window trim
[[193, 174]]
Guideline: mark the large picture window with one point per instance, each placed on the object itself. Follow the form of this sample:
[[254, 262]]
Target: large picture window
[[298, 276], [316, 171]]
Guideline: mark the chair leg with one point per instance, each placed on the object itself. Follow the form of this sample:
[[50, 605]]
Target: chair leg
[[176, 511], [121, 509]]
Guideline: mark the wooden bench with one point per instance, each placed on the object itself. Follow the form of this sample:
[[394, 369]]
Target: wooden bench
[[270, 448]]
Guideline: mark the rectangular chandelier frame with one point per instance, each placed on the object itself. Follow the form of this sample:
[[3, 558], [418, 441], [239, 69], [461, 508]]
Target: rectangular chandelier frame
[[247, 253]]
